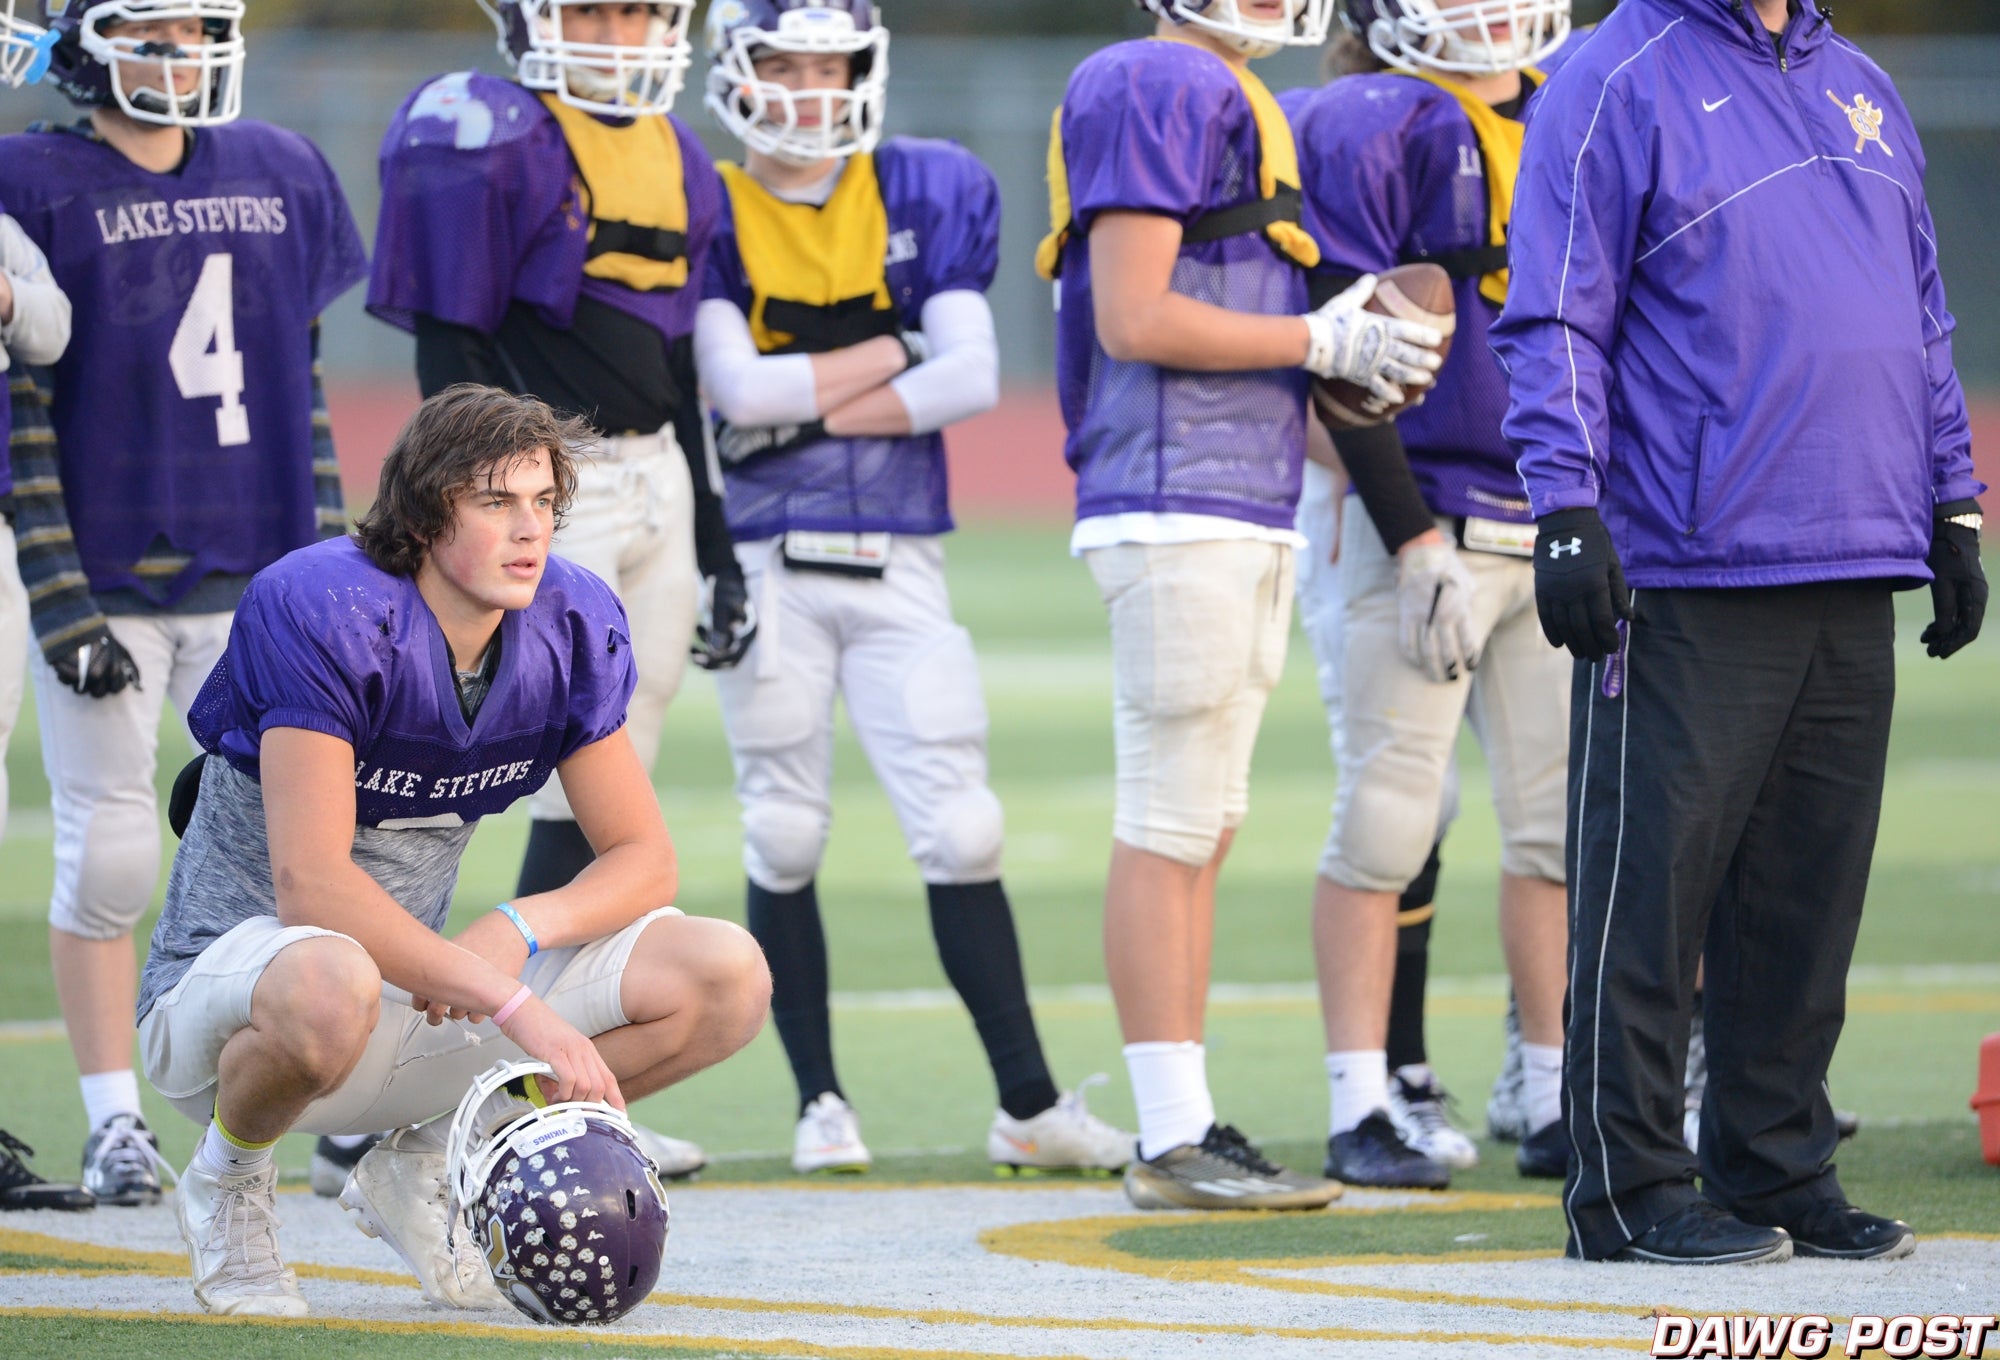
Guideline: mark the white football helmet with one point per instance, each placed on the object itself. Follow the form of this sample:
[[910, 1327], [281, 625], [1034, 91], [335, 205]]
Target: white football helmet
[[24, 48], [596, 77], [767, 117], [565, 1207], [1474, 37], [1304, 23], [95, 69]]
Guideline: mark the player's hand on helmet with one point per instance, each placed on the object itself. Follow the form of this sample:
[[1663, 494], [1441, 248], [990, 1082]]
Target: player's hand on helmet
[[1580, 589], [1434, 608], [727, 624], [581, 1072], [95, 664], [738, 444], [1958, 585], [1384, 354]]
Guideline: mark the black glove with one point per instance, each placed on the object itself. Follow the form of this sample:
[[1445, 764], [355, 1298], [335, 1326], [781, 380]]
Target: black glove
[[727, 624], [1958, 592], [94, 664], [735, 444], [1580, 589]]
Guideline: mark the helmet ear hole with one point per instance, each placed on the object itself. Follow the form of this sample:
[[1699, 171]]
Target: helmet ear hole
[[631, 1205]]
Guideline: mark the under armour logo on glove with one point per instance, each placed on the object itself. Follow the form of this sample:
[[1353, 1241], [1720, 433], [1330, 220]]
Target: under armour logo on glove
[[1579, 586], [1574, 548]]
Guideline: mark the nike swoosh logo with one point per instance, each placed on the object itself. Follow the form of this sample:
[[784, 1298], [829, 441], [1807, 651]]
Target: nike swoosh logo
[[1707, 107], [1030, 1147]]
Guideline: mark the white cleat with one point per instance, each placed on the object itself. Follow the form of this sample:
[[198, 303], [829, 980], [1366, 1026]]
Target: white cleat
[[675, 1159], [1506, 1110], [230, 1226], [397, 1193], [1064, 1137], [1419, 1108], [828, 1138]]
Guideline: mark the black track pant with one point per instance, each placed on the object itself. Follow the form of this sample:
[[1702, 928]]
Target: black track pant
[[1727, 800]]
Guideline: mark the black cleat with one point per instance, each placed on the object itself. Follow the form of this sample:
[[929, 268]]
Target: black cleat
[[21, 1188], [122, 1162], [1701, 1234], [332, 1164], [1544, 1154], [1373, 1155], [1834, 1228]]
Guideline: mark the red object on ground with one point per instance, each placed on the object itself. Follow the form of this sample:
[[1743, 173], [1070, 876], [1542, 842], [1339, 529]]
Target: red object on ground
[[1986, 1100]]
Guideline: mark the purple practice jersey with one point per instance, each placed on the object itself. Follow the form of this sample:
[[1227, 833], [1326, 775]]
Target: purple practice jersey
[[329, 642], [1393, 171], [184, 405], [1164, 128], [481, 209], [944, 234]]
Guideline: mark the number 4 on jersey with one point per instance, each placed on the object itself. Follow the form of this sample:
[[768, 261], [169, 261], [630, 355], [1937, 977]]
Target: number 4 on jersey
[[204, 357]]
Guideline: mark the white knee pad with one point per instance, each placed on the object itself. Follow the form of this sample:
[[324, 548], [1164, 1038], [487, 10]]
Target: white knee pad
[[105, 877], [962, 842], [1383, 830], [782, 843]]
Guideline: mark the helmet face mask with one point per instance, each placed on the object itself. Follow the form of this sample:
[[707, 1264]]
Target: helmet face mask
[[1460, 37], [616, 79], [1303, 24], [798, 126], [24, 48], [99, 62], [568, 1212]]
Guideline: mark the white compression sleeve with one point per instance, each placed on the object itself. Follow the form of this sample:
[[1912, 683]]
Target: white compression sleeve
[[39, 332], [962, 376], [748, 388]]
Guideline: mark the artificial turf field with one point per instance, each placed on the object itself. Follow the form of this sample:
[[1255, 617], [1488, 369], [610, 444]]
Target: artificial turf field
[[1927, 988]]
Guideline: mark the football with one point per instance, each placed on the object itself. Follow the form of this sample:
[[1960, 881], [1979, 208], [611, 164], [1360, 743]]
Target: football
[[1413, 292]]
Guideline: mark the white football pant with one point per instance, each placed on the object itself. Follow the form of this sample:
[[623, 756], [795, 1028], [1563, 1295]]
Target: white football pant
[[633, 525], [101, 756], [911, 683]]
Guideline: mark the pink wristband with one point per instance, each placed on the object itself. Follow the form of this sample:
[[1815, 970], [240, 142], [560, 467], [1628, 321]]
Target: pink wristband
[[514, 1003]]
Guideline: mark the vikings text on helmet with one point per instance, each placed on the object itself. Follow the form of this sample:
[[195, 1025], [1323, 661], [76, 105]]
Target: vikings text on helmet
[[1476, 37], [97, 62], [568, 1212], [802, 127], [1302, 24], [598, 77]]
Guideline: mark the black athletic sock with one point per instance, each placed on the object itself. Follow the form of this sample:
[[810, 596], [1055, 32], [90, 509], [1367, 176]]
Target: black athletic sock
[[557, 853], [787, 926], [1413, 962], [974, 929]]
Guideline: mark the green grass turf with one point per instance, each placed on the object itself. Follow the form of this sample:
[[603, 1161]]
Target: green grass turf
[[919, 1079], [85, 1339]]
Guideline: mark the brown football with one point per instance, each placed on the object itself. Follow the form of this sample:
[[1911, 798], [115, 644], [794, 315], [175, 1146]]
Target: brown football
[[1413, 292]]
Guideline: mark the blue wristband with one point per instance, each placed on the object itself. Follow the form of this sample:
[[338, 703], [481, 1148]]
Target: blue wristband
[[506, 909]]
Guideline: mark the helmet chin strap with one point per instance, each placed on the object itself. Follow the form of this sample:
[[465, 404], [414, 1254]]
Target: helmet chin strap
[[1252, 45]]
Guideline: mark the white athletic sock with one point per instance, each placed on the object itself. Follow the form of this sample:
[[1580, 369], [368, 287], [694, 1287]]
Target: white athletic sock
[[220, 1155], [1170, 1087], [107, 1094], [1542, 1084], [1359, 1083]]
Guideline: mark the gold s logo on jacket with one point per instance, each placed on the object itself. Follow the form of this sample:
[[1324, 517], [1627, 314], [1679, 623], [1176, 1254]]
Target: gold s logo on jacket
[[1866, 120]]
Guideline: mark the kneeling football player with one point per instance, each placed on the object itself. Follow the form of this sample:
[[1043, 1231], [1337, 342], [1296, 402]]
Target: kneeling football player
[[379, 696]]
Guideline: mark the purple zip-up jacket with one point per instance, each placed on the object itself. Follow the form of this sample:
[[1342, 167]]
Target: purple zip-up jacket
[[1725, 327]]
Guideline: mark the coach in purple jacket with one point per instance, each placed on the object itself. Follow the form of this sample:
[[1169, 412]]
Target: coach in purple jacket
[[1732, 387]]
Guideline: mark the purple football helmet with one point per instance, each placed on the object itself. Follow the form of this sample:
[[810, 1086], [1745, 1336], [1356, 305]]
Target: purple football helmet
[[96, 70], [802, 127], [1303, 24], [598, 77], [567, 1210], [1459, 37]]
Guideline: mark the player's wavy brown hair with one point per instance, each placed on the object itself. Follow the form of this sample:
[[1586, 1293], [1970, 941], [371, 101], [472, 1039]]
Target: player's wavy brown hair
[[456, 441]]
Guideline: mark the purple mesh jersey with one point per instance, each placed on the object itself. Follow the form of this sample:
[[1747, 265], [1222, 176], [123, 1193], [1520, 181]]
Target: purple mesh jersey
[[183, 406], [944, 235], [1164, 128], [1392, 170], [327, 641], [480, 210]]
